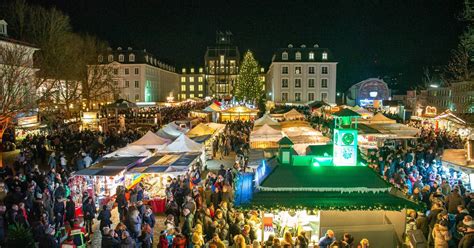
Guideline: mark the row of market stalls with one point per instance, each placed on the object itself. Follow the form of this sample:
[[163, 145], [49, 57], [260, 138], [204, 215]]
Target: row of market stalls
[[217, 112], [152, 160]]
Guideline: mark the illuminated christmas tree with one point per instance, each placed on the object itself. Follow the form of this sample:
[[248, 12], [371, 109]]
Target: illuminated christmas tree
[[249, 87]]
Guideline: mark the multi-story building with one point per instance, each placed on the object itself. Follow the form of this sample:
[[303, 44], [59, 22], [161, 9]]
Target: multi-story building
[[367, 92], [222, 66], [457, 97], [140, 76], [302, 74], [192, 83]]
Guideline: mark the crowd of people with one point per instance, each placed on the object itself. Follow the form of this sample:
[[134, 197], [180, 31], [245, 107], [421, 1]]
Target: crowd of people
[[417, 171], [234, 138]]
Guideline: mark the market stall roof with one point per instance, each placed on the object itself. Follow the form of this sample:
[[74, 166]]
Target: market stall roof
[[110, 172], [448, 115], [320, 150], [240, 109], [458, 158], [317, 104], [129, 151], [201, 139], [346, 112], [378, 118], [330, 201], [397, 130], [366, 129], [200, 130], [265, 133], [186, 159], [183, 144], [151, 141], [213, 108], [266, 120], [121, 163], [293, 114], [170, 131], [216, 126], [87, 172], [121, 104], [156, 169]]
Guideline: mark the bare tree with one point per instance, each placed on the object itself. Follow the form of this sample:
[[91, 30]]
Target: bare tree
[[458, 68]]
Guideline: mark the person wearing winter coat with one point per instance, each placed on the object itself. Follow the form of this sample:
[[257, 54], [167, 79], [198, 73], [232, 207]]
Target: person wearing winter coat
[[163, 242], [88, 209], [468, 240], [146, 236], [179, 240], [188, 224], [110, 239], [441, 235], [453, 200], [135, 223], [327, 240], [104, 217], [197, 238], [59, 211], [48, 240], [70, 211], [149, 218], [127, 241]]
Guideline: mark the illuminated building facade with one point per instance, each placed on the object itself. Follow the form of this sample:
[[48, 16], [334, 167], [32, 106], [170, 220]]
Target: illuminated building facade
[[368, 92]]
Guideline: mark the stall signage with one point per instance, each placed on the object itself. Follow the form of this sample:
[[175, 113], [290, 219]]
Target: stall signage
[[27, 121]]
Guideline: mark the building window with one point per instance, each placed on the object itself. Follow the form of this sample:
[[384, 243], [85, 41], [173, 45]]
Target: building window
[[115, 83], [311, 56], [183, 88], [324, 70], [297, 69], [311, 70], [100, 58], [284, 96], [284, 83], [324, 83], [297, 82], [284, 56], [183, 70], [191, 79], [127, 71], [183, 96], [200, 79], [137, 71], [131, 57], [298, 56], [310, 96], [201, 70], [325, 56], [110, 58], [127, 84], [191, 95], [115, 71], [200, 87], [192, 70], [200, 95], [183, 79], [284, 70], [137, 97], [324, 96], [191, 87], [137, 84], [297, 97], [311, 83], [121, 58]]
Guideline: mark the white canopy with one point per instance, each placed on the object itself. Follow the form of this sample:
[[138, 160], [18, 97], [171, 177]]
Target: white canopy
[[266, 120], [184, 144], [266, 133], [378, 118], [151, 141], [293, 114], [130, 151], [170, 131]]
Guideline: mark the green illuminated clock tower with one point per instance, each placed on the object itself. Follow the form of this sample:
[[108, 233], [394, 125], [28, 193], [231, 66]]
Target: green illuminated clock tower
[[345, 138]]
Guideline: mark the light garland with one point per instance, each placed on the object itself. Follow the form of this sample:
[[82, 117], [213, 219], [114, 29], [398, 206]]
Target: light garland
[[341, 190]]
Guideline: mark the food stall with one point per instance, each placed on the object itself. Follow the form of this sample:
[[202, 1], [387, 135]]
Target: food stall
[[265, 137], [27, 125], [235, 113], [293, 114], [91, 121], [151, 141], [203, 133]]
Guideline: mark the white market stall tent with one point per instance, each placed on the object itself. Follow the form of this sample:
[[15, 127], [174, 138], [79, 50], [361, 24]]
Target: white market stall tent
[[378, 118], [151, 141], [265, 137], [170, 131], [293, 114], [130, 151], [183, 144], [266, 120]]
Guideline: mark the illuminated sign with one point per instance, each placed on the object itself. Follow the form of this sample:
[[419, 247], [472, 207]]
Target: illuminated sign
[[429, 110], [373, 94], [27, 121], [345, 147]]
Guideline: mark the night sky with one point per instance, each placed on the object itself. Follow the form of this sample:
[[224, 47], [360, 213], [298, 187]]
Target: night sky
[[369, 38]]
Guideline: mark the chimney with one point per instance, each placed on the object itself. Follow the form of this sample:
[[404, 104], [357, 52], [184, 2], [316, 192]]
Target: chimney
[[3, 28]]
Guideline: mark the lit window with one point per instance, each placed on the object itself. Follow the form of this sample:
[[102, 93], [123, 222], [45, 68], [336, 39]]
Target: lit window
[[127, 84], [324, 83], [201, 70], [311, 83], [297, 97], [284, 70], [115, 71], [284, 83], [183, 87], [131, 57], [298, 56], [191, 79], [100, 59], [110, 58], [297, 82], [311, 70], [183, 70], [121, 58], [192, 70], [127, 71], [137, 84], [200, 95], [325, 56], [137, 71], [311, 56], [200, 79], [324, 96], [221, 60], [183, 79], [310, 96], [297, 69], [324, 70], [284, 56], [191, 95], [183, 96], [284, 96], [200, 87]]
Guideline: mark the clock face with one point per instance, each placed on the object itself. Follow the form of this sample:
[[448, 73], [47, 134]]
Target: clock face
[[348, 139]]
